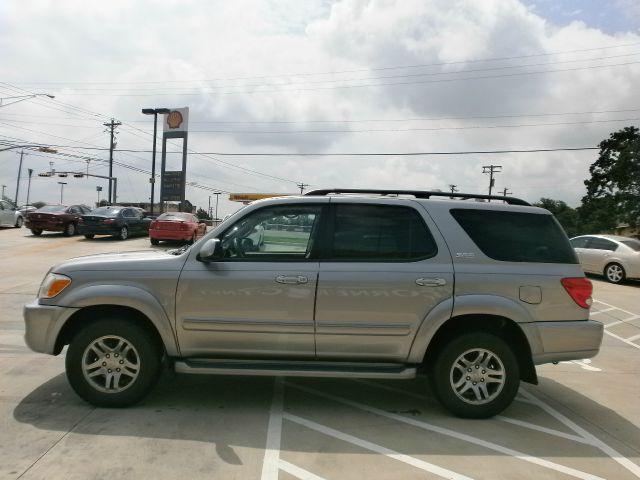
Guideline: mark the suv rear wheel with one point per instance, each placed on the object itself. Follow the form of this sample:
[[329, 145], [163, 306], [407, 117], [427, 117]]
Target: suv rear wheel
[[112, 363], [475, 375]]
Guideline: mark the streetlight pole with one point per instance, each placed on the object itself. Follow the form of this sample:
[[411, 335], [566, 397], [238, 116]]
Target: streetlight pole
[[217, 194], [3, 187], [29, 185], [22, 98], [62, 184], [15, 200], [152, 180]]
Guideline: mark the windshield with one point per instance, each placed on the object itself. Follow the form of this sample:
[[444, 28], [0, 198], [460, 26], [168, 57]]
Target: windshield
[[106, 211], [53, 208]]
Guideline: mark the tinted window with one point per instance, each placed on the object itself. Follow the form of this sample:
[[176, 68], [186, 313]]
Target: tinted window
[[272, 233], [75, 210], [579, 242], [380, 233], [601, 244], [516, 236], [633, 244], [175, 216]]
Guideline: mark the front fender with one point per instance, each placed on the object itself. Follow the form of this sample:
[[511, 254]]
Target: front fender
[[126, 296]]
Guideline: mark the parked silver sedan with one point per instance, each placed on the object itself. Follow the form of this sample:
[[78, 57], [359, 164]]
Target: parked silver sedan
[[615, 257]]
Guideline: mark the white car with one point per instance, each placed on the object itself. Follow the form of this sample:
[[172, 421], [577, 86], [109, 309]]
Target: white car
[[9, 215], [615, 257]]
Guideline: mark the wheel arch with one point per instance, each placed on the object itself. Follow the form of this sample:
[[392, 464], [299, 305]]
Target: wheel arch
[[93, 313], [502, 327]]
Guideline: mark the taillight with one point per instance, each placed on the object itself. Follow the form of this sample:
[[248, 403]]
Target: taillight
[[580, 289], [108, 221]]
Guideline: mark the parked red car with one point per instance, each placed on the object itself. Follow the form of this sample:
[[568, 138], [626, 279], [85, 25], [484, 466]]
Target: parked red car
[[176, 226], [56, 218]]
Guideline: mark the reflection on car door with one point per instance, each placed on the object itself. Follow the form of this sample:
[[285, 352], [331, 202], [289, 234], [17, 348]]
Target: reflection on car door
[[384, 274], [597, 253], [259, 300]]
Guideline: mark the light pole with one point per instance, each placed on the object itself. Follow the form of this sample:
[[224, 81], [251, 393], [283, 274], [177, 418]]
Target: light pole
[[217, 194], [62, 184], [3, 187], [98, 189], [29, 185], [152, 180], [22, 98]]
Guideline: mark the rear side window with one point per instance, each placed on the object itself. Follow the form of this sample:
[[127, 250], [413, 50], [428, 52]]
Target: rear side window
[[579, 242], [380, 233], [516, 236], [602, 244]]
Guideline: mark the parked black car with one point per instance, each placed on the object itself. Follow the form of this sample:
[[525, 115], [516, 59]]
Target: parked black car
[[120, 222]]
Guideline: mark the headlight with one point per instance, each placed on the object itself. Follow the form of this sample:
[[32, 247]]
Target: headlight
[[53, 284]]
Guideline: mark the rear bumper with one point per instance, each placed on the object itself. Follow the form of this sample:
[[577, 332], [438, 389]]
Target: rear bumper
[[170, 235], [98, 229], [48, 226], [43, 324], [570, 340]]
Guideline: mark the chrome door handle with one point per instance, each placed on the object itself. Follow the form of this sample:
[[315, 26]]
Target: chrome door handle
[[431, 282], [292, 279]]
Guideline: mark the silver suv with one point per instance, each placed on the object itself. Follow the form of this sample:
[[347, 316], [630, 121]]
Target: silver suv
[[339, 283]]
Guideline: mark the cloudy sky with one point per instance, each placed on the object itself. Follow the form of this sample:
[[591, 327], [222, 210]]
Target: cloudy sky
[[323, 79]]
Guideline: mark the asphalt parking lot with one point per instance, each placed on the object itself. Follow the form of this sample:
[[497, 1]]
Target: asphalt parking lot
[[581, 421]]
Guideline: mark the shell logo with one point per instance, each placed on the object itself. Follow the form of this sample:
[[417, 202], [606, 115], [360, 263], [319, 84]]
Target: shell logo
[[174, 119]]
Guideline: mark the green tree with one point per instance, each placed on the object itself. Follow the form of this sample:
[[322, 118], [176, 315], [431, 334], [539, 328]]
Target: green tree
[[202, 214], [567, 216], [613, 191]]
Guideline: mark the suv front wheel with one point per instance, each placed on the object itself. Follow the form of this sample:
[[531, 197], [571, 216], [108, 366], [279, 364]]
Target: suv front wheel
[[112, 363], [475, 375]]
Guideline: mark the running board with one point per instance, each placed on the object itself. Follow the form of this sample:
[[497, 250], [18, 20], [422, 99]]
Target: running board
[[294, 369]]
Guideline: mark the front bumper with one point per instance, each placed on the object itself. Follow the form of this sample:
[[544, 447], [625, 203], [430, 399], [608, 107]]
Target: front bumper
[[569, 340], [43, 324]]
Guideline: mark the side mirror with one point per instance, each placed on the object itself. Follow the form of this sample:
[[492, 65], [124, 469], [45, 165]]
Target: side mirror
[[211, 250]]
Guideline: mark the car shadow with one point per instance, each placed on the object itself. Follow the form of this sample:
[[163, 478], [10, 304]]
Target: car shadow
[[234, 411]]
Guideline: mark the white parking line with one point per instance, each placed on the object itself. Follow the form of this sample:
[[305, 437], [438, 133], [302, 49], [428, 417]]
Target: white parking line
[[271, 462], [629, 341], [415, 462], [298, 472], [451, 433], [613, 454]]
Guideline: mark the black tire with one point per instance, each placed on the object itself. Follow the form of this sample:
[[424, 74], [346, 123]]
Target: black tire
[[89, 236], [192, 240], [124, 233], [136, 350], [461, 389], [19, 222], [70, 230], [155, 241], [614, 273], [36, 231]]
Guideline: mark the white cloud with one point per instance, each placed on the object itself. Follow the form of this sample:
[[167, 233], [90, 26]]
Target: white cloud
[[231, 61]]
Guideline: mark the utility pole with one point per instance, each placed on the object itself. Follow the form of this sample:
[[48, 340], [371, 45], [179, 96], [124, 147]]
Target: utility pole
[[453, 189], [506, 192], [29, 185], [302, 187], [491, 169], [18, 180], [112, 144], [3, 187]]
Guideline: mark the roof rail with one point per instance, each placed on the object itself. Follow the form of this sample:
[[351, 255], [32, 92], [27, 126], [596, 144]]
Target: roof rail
[[420, 194]]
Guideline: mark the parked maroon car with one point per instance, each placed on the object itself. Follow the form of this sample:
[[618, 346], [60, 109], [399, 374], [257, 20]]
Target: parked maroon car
[[56, 218]]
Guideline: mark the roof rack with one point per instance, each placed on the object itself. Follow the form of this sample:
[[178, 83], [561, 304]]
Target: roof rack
[[420, 194]]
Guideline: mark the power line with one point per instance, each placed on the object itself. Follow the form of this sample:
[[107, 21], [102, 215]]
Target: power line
[[337, 72]]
